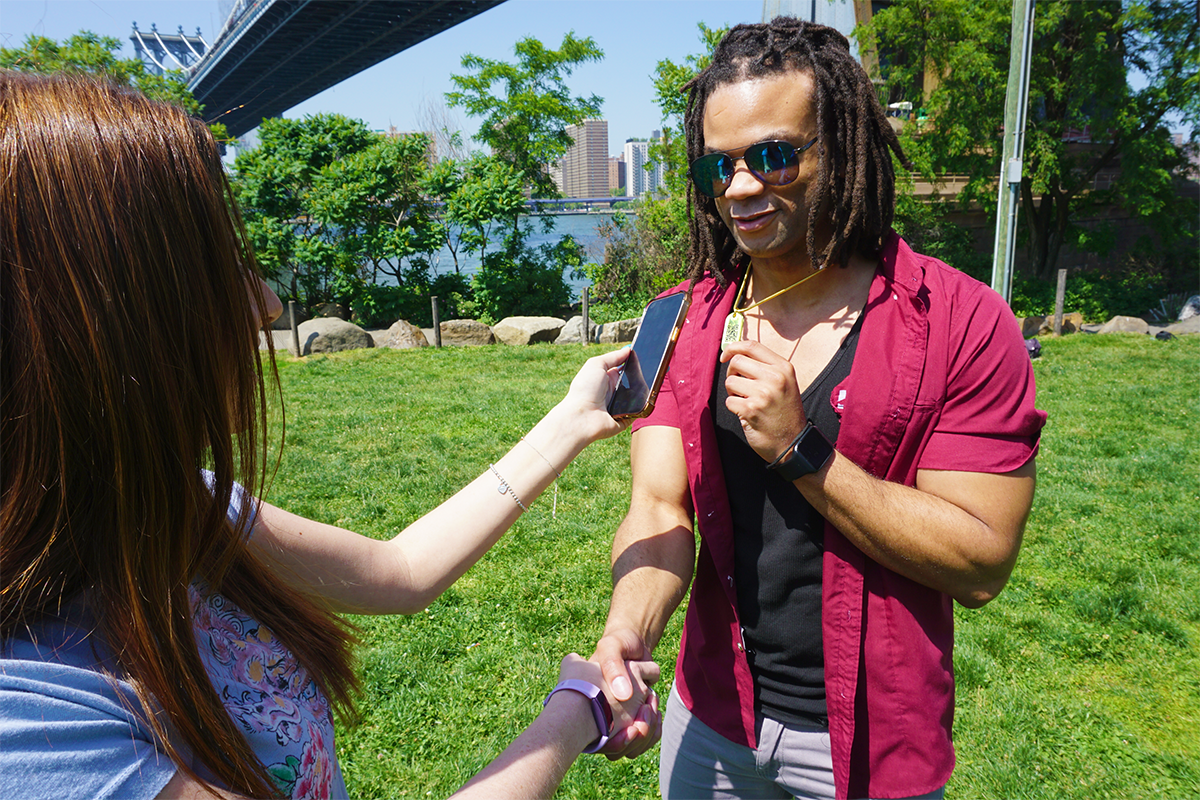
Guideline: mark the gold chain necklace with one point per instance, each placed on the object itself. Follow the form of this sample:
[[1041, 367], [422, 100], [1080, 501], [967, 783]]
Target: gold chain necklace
[[735, 323]]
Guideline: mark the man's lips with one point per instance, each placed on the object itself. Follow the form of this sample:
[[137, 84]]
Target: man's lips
[[749, 222]]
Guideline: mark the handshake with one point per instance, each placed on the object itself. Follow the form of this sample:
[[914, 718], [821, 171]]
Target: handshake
[[624, 708]]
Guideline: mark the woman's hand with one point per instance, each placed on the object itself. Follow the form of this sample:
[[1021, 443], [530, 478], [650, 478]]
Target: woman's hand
[[591, 389], [634, 720]]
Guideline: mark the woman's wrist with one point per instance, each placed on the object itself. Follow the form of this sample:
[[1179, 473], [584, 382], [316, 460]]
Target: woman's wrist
[[561, 435], [570, 714]]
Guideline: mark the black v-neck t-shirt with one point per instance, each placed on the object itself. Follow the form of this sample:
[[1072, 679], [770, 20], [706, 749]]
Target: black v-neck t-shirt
[[778, 544]]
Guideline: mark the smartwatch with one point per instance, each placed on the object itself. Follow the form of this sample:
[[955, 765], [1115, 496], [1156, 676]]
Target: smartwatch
[[601, 711], [807, 453]]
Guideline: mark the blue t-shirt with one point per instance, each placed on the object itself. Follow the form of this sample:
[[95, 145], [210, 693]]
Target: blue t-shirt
[[69, 729]]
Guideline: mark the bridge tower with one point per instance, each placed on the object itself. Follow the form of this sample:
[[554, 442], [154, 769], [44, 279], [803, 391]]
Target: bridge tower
[[157, 51]]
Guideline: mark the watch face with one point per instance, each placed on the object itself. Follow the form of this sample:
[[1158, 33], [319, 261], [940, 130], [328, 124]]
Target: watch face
[[815, 449], [807, 454]]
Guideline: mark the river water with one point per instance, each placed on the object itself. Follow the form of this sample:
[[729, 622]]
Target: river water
[[581, 226]]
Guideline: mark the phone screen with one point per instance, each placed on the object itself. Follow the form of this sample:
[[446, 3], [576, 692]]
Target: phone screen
[[643, 372]]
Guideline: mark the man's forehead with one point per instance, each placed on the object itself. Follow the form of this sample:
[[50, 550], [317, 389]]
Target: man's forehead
[[740, 113]]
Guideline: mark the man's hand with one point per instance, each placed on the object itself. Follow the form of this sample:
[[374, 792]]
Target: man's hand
[[621, 654], [764, 395]]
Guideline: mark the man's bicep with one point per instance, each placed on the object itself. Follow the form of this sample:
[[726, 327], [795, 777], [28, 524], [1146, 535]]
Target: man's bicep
[[660, 481], [1001, 501], [657, 530]]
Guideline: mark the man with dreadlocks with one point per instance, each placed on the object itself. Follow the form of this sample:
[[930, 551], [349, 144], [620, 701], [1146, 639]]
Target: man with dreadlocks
[[851, 428]]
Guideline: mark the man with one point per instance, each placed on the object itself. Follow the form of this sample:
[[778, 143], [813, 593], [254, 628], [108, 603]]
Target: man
[[849, 426]]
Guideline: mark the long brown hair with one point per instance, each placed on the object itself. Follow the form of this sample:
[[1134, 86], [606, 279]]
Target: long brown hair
[[128, 354], [855, 182]]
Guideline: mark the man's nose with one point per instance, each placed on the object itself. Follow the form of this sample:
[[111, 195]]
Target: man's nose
[[744, 182]]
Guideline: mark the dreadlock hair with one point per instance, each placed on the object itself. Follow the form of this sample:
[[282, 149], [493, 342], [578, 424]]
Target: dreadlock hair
[[855, 182]]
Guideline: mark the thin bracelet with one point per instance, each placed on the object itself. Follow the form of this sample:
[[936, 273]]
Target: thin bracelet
[[553, 507], [504, 488], [539, 452], [557, 475]]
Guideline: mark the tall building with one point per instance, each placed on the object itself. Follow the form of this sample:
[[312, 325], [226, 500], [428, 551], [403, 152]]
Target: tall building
[[642, 176], [616, 174], [585, 166]]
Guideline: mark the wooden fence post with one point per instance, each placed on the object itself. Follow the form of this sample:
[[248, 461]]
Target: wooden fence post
[[295, 328], [584, 326], [1059, 294], [437, 322]]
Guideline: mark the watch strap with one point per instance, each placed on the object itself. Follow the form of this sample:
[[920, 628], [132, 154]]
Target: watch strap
[[601, 711], [808, 453]]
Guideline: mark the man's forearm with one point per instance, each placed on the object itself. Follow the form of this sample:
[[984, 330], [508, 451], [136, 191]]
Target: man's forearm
[[958, 533], [651, 575]]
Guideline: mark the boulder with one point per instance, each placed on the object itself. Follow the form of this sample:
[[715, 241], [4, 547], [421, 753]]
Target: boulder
[[1071, 323], [331, 335], [618, 332], [403, 336], [1126, 325], [1189, 325], [572, 332], [1191, 308], [527, 330], [1032, 326], [333, 310], [284, 323], [466, 333]]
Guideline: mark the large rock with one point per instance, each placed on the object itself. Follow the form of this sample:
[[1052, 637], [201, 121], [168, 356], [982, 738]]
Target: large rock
[[1190, 309], [618, 332], [1126, 325], [1030, 326], [1072, 322], [404, 336], [527, 330], [1189, 325], [331, 335], [333, 310], [284, 323], [572, 332], [466, 332]]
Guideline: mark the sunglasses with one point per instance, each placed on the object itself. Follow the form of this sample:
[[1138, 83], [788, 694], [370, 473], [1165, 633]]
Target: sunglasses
[[775, 163]]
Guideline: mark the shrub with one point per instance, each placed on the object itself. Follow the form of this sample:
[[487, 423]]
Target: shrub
[[644, 255], [525, 281]]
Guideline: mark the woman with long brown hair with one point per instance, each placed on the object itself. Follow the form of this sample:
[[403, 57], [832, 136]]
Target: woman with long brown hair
[[164, 631]]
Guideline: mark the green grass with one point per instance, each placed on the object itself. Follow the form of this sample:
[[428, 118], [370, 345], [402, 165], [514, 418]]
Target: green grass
[[1080, 680]]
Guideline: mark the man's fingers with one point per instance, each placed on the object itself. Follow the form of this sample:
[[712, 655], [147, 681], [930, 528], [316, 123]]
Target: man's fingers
[[615, 674]]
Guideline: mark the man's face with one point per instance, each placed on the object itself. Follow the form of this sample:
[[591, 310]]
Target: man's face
[[768, 222]]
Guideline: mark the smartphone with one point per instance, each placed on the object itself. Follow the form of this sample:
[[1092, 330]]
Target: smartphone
[[642, 373]]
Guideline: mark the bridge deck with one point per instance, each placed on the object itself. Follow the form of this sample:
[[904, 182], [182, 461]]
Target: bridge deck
[[279, 53]]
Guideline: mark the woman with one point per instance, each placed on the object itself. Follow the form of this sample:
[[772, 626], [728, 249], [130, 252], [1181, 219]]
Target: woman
[[164, 631]]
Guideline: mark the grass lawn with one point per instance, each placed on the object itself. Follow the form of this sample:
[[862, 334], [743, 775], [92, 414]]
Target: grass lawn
[[1081, 680]]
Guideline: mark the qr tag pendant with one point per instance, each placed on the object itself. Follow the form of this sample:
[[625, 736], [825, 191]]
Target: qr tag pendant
[[735, 330]]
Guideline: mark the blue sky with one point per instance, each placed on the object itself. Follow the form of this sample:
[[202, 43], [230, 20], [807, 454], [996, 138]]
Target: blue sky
[[634, 35]]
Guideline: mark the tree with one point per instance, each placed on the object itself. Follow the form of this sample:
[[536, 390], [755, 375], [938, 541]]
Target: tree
[[85, 53], [526, 127], [669, 80], [647, 254], [1086, 120], [479, 195], [331, 206]]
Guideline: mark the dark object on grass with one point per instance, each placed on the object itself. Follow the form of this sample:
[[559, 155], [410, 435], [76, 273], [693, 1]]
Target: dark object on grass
[[1033, 347], [1164, 336]]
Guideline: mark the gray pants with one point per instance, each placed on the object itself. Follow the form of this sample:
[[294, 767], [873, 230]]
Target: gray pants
[[697, 763]]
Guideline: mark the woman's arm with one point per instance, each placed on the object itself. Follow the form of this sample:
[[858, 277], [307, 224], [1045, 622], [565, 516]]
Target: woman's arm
[[535, 763], [362, 575]]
